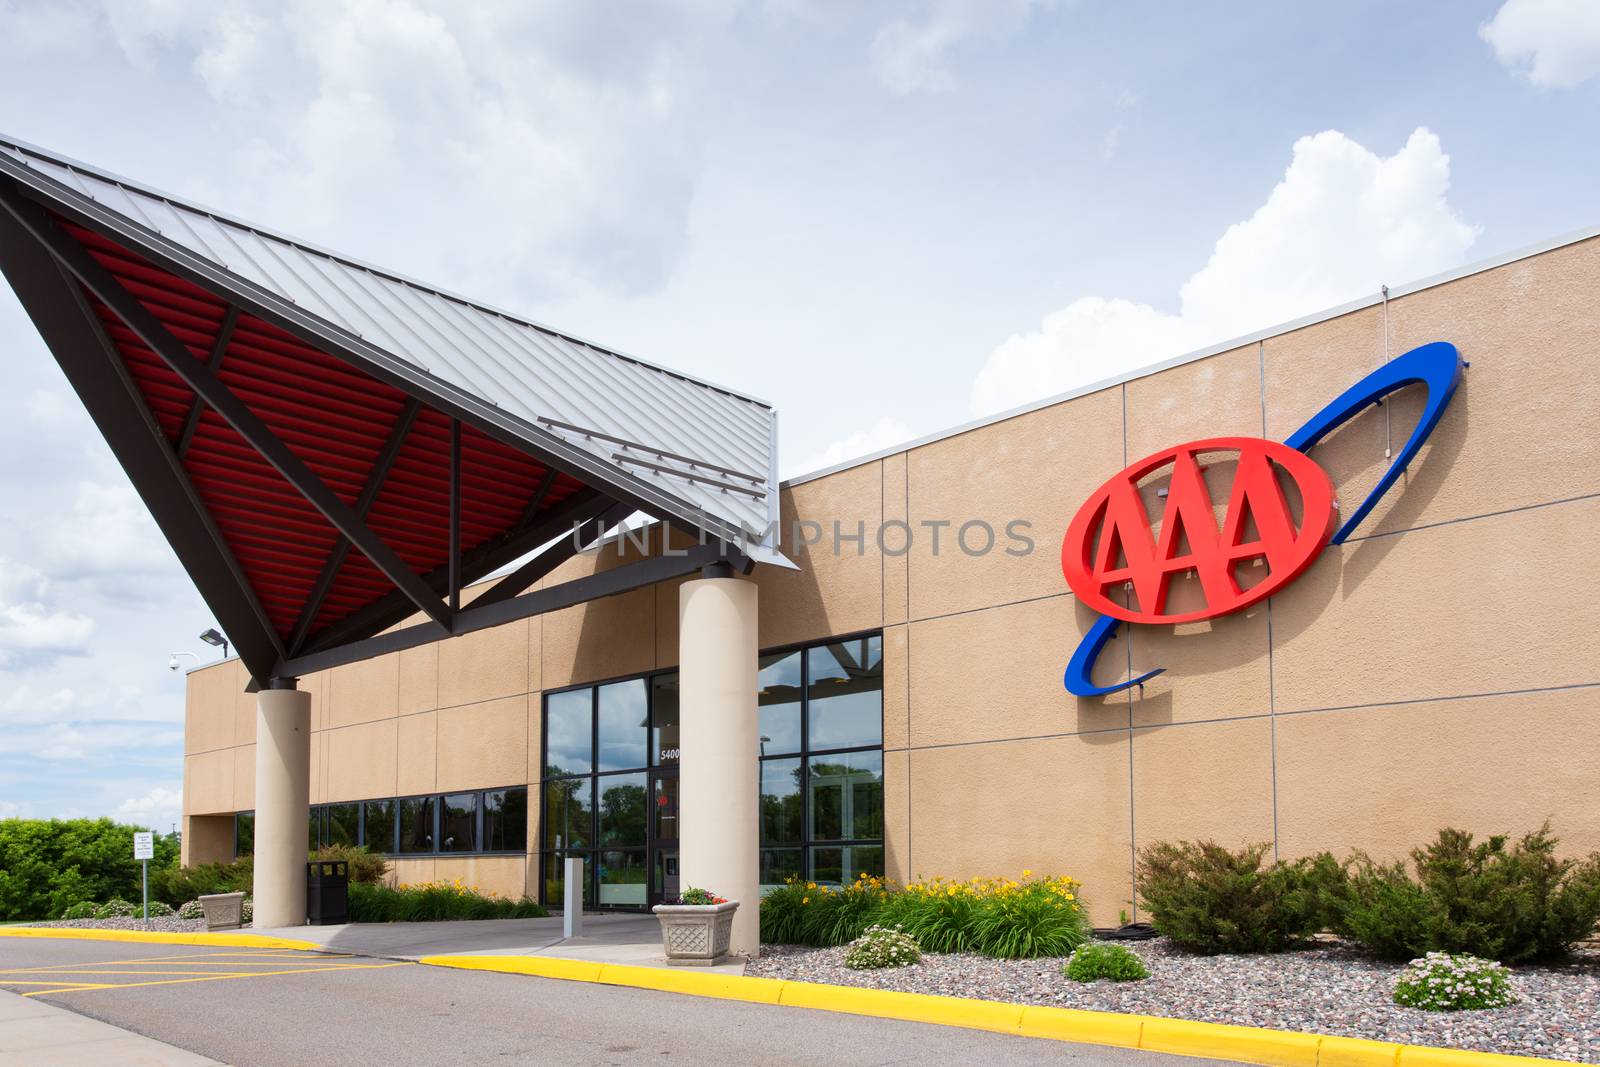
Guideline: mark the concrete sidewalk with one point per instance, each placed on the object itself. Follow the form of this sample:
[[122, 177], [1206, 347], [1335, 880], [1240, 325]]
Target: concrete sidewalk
[[607, 938], [42, 1035]]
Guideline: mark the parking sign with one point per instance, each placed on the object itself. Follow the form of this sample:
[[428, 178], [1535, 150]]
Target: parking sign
[[144, 846]]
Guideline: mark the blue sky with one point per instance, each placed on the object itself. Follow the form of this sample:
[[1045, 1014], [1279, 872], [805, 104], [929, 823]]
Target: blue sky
[[887, 217]]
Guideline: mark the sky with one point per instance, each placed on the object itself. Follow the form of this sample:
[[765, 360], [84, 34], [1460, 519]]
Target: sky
[[887, 217]]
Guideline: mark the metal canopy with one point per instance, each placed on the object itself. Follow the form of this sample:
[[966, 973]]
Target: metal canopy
[[332, 449]]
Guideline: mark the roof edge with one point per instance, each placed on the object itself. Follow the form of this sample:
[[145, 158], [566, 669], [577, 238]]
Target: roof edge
[[1395, 291], [103, 174]]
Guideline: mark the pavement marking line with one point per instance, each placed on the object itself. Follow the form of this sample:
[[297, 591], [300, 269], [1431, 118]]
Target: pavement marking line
[[158, 937], [224, 977], [193, 959], [1183, 1037]]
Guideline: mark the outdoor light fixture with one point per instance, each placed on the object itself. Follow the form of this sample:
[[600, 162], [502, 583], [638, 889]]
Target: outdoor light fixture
[[172, 662], [215, 639]]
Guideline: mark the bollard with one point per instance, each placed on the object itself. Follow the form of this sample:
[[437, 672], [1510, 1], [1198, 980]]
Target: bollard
[[572, 905]]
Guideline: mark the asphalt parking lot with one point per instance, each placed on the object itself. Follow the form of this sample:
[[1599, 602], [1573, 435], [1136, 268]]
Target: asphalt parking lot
[[273, 1007]]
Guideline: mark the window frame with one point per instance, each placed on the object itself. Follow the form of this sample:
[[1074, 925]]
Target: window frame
[[319, 813]]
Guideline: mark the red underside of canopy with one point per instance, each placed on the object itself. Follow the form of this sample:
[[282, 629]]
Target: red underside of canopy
[[336, 419]]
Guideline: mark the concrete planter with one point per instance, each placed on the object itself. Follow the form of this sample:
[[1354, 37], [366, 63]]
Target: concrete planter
[[224, 911], [696, 934]]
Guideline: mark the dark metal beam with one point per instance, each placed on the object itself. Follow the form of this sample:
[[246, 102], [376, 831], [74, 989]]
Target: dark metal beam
[[191, 421], [554, 556], [90, 362], [453, 579], [394, 608], [245, 422], [472, 618], [369, 494], [536, 501]]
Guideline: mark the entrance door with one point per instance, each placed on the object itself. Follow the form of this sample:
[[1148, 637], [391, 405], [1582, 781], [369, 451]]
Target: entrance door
[[663, 834]]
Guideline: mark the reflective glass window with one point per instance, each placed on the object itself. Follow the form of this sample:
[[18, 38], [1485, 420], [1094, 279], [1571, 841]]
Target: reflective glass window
[[623, 879], [624, 726], [780, 802], [664, 719], [568, 812], [377, 823], [343, 824], [847, 796], [458, 822], [505, 820], [621, 802], [244, 833], [778, 686], [846, 694], [416, 824], [569, 736]]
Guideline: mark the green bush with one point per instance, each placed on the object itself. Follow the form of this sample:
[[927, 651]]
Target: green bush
[[1442, 982], [116, 909], [47, 865], [179, 884], [433, 902], [1210, 900], [191, 909], [997, 916], [1509, 903], [368, 868], [881, 946], [84, 909], [159, 909], [1093, 962], [247, 910]]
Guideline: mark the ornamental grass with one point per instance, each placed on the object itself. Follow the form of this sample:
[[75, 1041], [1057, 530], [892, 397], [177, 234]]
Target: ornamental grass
[[1000, 917], [434, 902]]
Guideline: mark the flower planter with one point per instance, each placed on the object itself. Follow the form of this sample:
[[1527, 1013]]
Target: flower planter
[[224, 911], [696, 934]]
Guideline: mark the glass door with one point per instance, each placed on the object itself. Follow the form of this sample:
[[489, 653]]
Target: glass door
[[663, 834]]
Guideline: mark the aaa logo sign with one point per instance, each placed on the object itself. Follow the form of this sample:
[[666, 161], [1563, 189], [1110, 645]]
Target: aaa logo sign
[[1117, 565], [1121, 560]]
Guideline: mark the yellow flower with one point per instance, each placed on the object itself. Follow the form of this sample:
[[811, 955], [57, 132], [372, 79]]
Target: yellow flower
[[805, 900], [1027, 873]]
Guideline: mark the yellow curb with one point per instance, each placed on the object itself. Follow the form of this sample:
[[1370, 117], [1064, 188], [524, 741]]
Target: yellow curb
[[157, 937], [1180, 1037]]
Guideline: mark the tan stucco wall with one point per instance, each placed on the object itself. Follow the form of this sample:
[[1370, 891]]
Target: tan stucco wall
[[1440, 668]]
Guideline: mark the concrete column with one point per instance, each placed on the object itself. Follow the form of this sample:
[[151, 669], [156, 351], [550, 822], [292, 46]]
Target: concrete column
[[718, 750], [283, 806]]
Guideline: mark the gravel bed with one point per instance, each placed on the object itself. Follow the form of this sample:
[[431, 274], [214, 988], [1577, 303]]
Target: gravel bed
[[172, 924], [1328, 989]]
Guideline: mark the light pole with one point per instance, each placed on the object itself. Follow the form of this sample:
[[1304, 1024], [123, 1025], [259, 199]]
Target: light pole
[[215, 639]]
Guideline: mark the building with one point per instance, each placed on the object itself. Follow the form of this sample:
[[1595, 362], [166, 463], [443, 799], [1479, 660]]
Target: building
[[1439, 668], [879, 667]]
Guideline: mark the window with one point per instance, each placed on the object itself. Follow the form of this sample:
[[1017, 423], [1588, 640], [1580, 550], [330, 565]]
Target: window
[[610, 787], [458, 822], [377, 825], [505, 820], [822, 762], [416, 824], [244, 834], [343, 825]]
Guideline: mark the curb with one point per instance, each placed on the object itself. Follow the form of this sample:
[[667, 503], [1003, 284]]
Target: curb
[[159, 937], [1181, 1037]]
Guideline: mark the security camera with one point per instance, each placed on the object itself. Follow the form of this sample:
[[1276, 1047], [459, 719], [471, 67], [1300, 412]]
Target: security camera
[[172, 664]]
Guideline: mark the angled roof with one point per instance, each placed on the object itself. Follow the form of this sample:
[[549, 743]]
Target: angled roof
[[658, 429], [331, 448]]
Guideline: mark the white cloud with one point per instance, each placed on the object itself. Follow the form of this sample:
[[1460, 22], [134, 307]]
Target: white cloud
[[1342, 222], [1555, 44], [31, 628], [158, 808], [911, 55], [556, 129], [880, 435]]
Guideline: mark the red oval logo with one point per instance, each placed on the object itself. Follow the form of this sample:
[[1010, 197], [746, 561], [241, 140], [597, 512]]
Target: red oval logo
[[1112, 550]]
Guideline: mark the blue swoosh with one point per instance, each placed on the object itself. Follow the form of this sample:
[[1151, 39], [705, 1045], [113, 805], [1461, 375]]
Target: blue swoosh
[[1436, 365]]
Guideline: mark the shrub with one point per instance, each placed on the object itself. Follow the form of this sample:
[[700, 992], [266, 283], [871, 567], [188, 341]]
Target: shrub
[[1093, 962], [46, 865], [247, 910], [159, 909], [937, 913], [433, 902], [807, 913], [1210, 900], [1511, 904], [781, 917], [881, 946], [191, 909], [1442, 982], [84, 909], [366, 867], [116, 908], [1029, 919], [179, 884]]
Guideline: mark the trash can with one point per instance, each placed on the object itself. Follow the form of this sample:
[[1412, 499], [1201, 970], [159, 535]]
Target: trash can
[[327, 892]]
